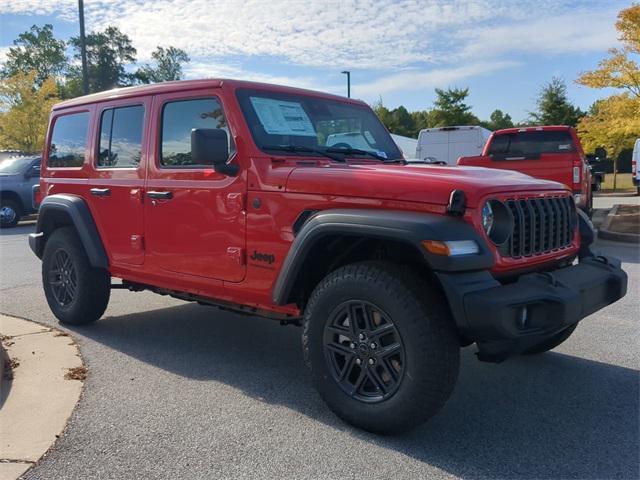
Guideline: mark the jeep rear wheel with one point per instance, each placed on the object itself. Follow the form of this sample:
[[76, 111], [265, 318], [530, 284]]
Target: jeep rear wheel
[[76, 292], [381, 347]]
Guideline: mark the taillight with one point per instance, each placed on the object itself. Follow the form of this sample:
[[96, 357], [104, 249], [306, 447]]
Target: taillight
[[576, 176]]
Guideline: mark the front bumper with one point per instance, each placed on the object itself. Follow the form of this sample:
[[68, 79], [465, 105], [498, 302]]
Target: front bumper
[[504, 319]]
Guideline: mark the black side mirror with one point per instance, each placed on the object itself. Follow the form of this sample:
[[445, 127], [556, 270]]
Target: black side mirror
[[210, 146]]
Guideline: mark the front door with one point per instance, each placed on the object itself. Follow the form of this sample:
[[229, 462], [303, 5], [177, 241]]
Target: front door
[[194, 216]]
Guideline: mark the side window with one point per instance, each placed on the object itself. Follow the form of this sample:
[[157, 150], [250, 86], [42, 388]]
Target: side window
[[178, 119], [121, 137], [68, 140]]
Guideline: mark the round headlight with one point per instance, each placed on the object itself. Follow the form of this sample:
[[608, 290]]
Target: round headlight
[[487, 218], [497, 221]]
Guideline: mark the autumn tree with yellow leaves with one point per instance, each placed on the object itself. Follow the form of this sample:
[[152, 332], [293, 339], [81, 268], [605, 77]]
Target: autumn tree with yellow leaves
[[614, 122], [24, 111]]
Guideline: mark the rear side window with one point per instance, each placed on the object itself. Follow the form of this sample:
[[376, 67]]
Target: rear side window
[[178, 119], [527, 145], [121, 137], [68, 140]]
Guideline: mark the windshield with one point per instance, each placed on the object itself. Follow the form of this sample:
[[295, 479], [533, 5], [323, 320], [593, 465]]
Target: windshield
[[530, 144], [15, 165], [315, 124]]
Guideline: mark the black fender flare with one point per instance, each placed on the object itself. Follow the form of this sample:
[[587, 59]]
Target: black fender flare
[[408, 227], [76, 209]]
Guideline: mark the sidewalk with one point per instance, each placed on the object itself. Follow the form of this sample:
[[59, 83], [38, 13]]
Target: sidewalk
[[622, 224], [38, 394]]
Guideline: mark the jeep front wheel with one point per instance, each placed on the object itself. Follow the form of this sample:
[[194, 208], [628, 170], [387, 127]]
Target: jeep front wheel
[[380, 345], [76, 292]]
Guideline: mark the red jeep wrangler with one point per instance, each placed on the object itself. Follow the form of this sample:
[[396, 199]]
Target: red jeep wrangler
[[551, 153], [250, 197]]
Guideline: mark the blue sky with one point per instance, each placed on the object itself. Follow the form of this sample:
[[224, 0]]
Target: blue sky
[[503, 50]]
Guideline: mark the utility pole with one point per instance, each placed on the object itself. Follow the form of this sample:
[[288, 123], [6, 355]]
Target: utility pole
[[83, 50], [348, 74]]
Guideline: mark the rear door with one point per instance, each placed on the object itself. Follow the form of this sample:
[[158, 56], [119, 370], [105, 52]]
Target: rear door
[[464, 142], [433, 143], [118, 172]]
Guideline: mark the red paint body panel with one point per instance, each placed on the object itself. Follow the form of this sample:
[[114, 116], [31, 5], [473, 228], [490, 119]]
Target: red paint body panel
[[201, 241]]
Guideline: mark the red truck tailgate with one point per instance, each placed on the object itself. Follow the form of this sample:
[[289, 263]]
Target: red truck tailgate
[[549, 153]]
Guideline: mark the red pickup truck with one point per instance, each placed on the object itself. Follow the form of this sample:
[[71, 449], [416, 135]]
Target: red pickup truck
[[551, 153]]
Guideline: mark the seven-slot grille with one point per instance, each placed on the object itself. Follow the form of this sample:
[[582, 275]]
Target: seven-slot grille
[[540, 225]]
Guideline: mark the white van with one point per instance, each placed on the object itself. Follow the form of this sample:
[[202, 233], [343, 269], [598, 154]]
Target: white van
[[635, 165], [407, 145], [447, 144]]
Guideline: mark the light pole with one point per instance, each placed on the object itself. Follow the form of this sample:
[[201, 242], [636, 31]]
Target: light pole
[[83, 50], [348, 74]]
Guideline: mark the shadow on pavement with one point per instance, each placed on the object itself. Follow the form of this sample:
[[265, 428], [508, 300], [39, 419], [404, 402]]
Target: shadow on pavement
[[550, 416]]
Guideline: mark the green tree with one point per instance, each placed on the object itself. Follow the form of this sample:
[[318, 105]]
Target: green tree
[[614, 122], [554, 107], [108, 54], [398, 120], [36, 50], [24, 111], [498, 120], [168, 66], [450, 108]]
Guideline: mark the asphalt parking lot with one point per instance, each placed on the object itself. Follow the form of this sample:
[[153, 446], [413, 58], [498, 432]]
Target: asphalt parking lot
[[179, 390]]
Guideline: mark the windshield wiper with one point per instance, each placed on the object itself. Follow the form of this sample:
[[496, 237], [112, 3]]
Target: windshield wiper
[[357, 151], [303, 149]]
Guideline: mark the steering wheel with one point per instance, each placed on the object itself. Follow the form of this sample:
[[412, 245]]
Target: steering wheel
[[341, 145]]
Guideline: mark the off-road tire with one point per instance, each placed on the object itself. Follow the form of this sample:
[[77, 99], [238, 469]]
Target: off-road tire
[[552, 342], [423, 321], [92, 285], [13, 205]]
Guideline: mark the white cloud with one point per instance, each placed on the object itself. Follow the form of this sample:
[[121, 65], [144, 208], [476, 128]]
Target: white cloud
[[3, 53], [213, 69], [356, 34], [572, 32], [401, 45], [421, 80]]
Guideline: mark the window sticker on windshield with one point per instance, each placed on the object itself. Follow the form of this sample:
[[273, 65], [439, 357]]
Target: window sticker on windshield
[[381, 153], [279, 117], [566, 146], [369, 137]]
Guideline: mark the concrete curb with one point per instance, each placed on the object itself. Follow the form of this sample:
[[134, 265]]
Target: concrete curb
[[607, 234], [42, 394]]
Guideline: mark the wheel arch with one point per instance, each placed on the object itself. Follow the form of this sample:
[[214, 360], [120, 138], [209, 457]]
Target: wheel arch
[[332, 238], [11, 195], [62, 210]]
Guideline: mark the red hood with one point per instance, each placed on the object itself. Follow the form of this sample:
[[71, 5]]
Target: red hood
[[424, 183]]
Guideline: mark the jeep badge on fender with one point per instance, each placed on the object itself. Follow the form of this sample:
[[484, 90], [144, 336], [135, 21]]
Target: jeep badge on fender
[[263, 257], [387, 284]]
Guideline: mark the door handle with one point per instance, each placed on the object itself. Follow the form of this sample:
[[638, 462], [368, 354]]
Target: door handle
[[160, 195], [101, 192]]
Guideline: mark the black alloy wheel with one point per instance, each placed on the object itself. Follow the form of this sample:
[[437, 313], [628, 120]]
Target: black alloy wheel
[[62, 278], [364, 351]]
